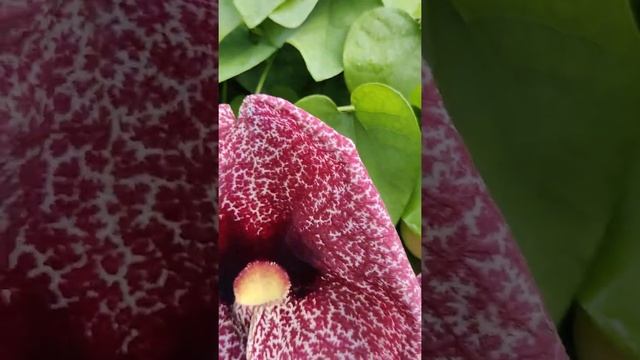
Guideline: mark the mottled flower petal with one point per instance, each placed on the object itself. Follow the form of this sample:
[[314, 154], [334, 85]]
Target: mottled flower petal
[[288, 180], [231, 339], [225, 121], [107, 146], [330, 323], [480, 301]]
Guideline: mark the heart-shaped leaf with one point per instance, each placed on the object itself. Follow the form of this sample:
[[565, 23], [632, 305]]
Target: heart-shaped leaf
[[383, 46], [388, 141], [320, 39]]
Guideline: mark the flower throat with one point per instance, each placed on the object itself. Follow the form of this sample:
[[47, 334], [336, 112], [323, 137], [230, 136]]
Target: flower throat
[[284, 247]]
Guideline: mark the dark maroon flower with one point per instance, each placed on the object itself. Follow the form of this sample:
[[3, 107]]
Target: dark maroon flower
[[107, 131], [294, 192], [480, 301]]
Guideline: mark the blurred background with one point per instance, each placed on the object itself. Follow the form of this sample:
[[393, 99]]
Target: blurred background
[[546, 96]]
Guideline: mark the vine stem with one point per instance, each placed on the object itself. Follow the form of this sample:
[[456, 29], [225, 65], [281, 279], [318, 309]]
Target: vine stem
[[264, 74]]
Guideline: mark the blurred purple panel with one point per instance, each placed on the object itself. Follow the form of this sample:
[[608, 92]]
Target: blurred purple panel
[[108, 162]]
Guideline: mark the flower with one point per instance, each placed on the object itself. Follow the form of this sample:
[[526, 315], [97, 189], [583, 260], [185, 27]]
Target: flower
[[106, 152], [294, 192], [480, 301]]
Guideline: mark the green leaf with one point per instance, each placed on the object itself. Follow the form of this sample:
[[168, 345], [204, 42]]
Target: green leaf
[[383, 46], [546, 96], [288, 69], [326, 110], [254, 12], [292, 13], [388, 142], [411, 7], [320, 39], [276, 34], [229, 19], [241, 51]]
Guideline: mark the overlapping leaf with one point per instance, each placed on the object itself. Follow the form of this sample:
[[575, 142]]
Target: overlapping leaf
[[321, 38], [383, 45], [255, 12], [292, 13], [239, 52]]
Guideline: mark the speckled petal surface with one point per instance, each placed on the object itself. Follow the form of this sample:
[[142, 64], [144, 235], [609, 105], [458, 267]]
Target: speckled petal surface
[[480, 301], [225, 121], [107, 153], [231, 336], [329, 324], [281, 168]]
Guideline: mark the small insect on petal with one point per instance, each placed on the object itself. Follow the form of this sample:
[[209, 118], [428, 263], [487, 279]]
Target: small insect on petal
[[261, 282]]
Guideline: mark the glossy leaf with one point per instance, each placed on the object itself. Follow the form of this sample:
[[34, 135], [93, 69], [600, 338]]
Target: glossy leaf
[[383, 46], [292, 13], [255, 12], [320, 39], [546, 96]]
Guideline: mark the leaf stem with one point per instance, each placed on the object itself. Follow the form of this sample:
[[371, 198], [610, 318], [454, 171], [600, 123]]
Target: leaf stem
[[264, 74], [347, 108]]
